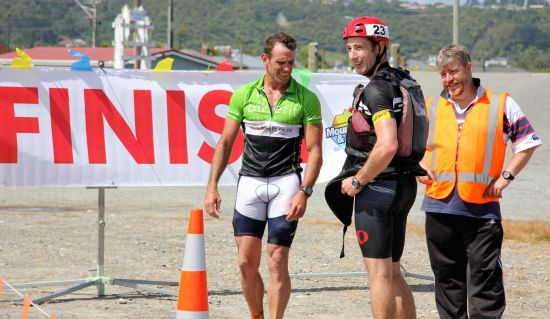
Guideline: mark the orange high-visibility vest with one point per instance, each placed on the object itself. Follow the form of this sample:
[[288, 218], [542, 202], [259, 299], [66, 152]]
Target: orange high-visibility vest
[[471, 158]]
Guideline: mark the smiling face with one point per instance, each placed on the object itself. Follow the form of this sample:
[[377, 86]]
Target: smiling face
[[456, 78], [362, 53], [279, 64]]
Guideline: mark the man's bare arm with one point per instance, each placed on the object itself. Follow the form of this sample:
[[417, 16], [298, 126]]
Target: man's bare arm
[[381, 155], [212, 199], [516, 164], [314, 144]]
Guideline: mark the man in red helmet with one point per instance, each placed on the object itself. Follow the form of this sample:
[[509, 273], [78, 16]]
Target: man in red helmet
[[382, 182]]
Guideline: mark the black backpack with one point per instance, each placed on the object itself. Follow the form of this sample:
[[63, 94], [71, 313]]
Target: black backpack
[[412, 124]]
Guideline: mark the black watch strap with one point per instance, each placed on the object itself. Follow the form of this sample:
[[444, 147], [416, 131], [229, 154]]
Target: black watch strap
[[507, 175], [307, 190]]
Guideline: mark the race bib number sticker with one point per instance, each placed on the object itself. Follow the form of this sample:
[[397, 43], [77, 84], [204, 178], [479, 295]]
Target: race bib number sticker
[[385, 114], [377, 30]]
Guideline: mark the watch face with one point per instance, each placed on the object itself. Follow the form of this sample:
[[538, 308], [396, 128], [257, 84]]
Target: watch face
[[507, 175], [307, 190], [355, 183]]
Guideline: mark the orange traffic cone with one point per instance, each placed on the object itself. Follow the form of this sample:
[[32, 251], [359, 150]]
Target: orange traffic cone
[[193, 290], [26, 307]]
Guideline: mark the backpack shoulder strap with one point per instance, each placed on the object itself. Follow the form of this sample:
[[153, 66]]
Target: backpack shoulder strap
[[392, 75], [357, 95]]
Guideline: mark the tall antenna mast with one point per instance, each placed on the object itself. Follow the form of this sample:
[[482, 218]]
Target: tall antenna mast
[[90, 8], [169, 27]]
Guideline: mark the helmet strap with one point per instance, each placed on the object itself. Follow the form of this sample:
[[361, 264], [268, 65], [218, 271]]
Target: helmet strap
[[379, 57]]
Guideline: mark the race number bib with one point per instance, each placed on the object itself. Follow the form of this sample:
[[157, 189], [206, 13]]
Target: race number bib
[[377, 30]]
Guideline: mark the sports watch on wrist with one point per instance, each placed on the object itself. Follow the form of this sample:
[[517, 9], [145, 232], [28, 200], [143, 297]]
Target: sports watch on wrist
[[507, 175], [307, 190], [355, 183]]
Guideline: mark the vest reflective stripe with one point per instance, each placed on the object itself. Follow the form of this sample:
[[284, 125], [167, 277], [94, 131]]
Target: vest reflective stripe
[[491, 131], [475, 178], [477, 154], [431, 135], [464, 177], [428, 101], [444, 177]]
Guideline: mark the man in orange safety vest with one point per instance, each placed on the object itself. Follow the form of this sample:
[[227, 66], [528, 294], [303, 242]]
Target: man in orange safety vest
[[469, 129]]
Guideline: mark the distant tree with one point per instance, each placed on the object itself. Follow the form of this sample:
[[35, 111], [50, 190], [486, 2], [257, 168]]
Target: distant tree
[[246, 23]]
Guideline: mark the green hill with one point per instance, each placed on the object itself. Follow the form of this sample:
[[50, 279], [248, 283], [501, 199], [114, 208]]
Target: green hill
[[519, 35]]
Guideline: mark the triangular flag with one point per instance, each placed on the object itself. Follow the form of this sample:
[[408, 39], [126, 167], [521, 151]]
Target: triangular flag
[[164, 65], [305, 76], [83, 64], [22, 60]]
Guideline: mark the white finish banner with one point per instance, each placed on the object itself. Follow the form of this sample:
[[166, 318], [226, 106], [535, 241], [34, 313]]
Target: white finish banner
[[60, 127]]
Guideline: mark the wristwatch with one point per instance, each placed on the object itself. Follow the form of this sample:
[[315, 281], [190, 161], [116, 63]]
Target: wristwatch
[[507, 175], [307, 190], [355, 183]]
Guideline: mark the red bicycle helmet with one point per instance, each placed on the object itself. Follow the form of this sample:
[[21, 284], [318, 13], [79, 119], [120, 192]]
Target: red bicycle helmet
[[369, 27]]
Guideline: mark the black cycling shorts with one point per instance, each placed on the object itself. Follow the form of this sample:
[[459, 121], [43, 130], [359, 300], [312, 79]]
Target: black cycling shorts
[[381, 210]]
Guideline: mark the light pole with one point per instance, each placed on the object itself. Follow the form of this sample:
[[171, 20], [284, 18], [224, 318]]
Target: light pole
[[456, 4], [91, 12], [169, 27], [9, 30]]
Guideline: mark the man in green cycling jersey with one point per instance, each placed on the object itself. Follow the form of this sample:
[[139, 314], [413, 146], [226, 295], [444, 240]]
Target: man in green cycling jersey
[[276, 113]]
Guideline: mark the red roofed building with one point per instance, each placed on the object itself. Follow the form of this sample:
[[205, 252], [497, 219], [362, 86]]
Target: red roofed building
[[58, 56]]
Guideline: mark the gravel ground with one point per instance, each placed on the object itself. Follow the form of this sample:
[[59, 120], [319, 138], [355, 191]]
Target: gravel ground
[[51, 234], [56, 239]]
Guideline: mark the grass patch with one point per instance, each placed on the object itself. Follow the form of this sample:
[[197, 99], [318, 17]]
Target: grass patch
[[416, 229], [532, 232]]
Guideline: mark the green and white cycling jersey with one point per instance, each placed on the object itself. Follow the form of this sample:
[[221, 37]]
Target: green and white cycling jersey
[[273, 138]]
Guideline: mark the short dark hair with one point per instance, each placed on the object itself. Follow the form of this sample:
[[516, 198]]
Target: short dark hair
[[279, 37]]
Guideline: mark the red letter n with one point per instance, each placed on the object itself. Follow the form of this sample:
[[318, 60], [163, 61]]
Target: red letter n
[[98, 106]]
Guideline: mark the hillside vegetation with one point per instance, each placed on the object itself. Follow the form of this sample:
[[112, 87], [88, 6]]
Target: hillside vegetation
[[522, 35]]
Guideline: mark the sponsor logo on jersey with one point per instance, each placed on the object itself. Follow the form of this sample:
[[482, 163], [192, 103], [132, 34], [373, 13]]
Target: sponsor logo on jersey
[[272, 129]]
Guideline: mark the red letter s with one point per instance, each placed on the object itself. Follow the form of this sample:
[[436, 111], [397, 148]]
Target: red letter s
[[209, 119]]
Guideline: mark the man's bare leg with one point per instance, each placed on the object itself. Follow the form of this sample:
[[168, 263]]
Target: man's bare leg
[[380, 284], [279, 280], [404, 300], [249, 258]]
